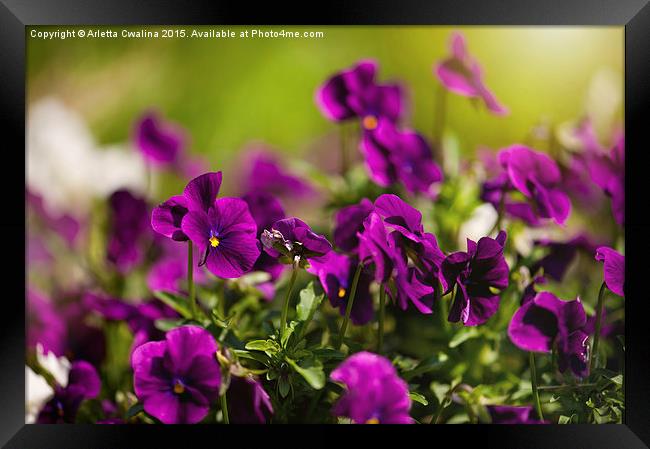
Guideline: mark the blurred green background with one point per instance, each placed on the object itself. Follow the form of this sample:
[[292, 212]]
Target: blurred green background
[[228, 92]]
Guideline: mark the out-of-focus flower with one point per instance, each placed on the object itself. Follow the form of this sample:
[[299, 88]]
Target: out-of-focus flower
[[178, 379], [509, 414], [264, 172], [83, 383], [561, 254], [84, 340], [336, 273], [475, 273], [613, 269], [248, 403], [226, 234], [129, 225], [37, 390], [608, 172], [169, 271], [354, 93], [461, 73], [529, 291], [349, 221], [546, 321], [160, 142], [64, 225], [67, 167], [292, 240], [537, 177], [45, 326], [395, 156], [480, 223], [374, 394]]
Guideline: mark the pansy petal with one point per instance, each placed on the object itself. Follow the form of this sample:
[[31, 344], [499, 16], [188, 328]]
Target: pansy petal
[[202, 191]]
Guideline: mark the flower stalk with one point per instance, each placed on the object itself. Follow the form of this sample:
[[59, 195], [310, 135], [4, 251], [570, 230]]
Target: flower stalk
[[382, 313], [533, 382], [224, 409], [285, 307], [348, 308], [190, 279], [599, 319]]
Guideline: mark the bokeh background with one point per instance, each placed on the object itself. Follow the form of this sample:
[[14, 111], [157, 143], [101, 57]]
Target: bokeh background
[[229, 92]]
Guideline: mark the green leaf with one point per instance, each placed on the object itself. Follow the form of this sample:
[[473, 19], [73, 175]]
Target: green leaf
[[426, 365], [417, 397], [463, 335], [262, 358], [328, 354], [135, 409], [268, 346], [311, 371], [288, 331], [564, 419], [284, 386], [167, 324], [439, 390], [309, 302], [178, 303]]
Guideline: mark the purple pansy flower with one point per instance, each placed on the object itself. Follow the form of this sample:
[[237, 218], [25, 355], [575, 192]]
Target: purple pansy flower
[[374, 393], [608, 172], [179, 378], [400, 156], [45, 325], [461, 73], [561, 254], [374, 249], [160, 142], [336, 272], [509, 414], [354, 93], [84, 340], [64, 225], [349, 222], [264, 173], [546, 321], [248, 403], [613, 269], [226, 235], [129, 225], [169, 271], [294, 240], [199, 194], [475, 273], [83, 383], [537, 177]]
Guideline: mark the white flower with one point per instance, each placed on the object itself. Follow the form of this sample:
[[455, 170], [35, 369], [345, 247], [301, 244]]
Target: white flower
[[479, 224], [38, 392]]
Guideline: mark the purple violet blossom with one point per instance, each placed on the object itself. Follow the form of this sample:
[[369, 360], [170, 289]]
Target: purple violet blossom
[[160, 142], [248, 402], [561, 254], [400, 156], [354, 93], [534, 175], [83, 383], [64, 225], [613, 269], [509, 414], [169, 272], [461, 74], [336, 272], [179, 378], [349, 222], [475, 273], [546, 321], [129, 225], [292, 240], [374, 394], [45, 326], [264, 172], [608, 172]]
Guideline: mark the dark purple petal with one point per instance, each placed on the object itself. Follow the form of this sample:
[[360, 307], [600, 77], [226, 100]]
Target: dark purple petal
[[159, 142], [202, 191], [196, 226], [235, 255], [613, 269], [248, 403], [508, 414], [349, 221], [166, 218], [84, 375], [264, 208]]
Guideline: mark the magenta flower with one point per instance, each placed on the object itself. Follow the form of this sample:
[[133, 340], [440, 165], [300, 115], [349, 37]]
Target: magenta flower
[[546, 321], [291, 239], [64, 225], [83, 383], [169, 271], [374, 249], [561, 255], [45, 326], [461, 73], [613, 269], [537, 177], [374, 393], [226, 235], [608, 172], [400, 156], [265, 173], [129, 227], [475, 273], [336, 272], [160, 142], [178, 379], [349, 222], [199, 194], [509, 414], [248, 403], [354, 93]]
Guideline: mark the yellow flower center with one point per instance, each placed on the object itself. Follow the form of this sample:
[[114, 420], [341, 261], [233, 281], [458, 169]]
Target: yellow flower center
[[369, 122], [341, 292], [372, 421], [179, 388], [214, 241]]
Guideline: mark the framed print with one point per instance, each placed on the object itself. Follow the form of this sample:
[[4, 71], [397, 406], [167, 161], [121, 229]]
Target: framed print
[[396, 214]]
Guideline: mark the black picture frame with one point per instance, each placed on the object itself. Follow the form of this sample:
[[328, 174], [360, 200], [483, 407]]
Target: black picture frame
[[16, 15]]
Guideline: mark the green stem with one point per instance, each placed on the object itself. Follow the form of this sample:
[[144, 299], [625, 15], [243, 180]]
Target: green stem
[[285, 308], [224, 409], [348, 308], [599, 318], [190, 279], [382, 313], [533, 382]]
